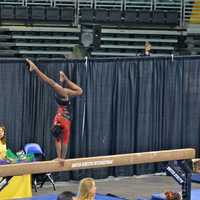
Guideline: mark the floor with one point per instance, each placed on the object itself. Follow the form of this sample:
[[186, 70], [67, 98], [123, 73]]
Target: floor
[[127, 187]]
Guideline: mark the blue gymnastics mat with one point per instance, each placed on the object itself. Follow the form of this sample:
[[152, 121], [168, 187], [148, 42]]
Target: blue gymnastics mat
[[195, 178], [195, 195], [54, 196]]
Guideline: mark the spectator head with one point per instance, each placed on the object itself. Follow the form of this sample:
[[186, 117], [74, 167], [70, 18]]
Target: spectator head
[[87, 189], [67, 195], [173, 196], [147, 47]]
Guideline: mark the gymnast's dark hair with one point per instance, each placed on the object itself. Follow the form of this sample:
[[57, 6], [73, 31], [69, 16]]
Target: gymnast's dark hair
[[56, 130]]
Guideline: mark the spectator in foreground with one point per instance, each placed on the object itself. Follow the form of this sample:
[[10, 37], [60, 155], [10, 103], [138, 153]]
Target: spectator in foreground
[[173, 196], [87, 189]]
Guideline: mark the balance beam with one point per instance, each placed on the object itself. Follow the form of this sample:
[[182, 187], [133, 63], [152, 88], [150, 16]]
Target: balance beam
[[96, 162]]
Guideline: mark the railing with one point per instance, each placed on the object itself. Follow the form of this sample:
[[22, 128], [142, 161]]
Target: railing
[[38, 2], [175, 5], [67, 3], [13, 2], [189, 10], [170, 5], [138, 4], [85, 3], [118, 4], [126, 4]]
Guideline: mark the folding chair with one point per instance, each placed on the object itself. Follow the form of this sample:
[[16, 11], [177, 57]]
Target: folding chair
[[34, 148]]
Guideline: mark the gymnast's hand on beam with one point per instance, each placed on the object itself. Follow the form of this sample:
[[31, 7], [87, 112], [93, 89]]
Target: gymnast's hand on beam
[[32, 66]]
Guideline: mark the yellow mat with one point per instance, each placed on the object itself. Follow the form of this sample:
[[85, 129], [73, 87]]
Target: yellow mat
[[18, 187]]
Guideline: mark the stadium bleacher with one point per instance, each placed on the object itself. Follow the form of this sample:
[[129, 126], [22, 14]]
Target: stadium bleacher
[[53, 27]]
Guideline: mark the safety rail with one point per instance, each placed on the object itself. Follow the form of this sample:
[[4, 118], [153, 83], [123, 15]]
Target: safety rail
[[136, 4], [118, 4], [124, 4], [85, 3], [39, 3], [67, 3], [13, 2], [175, 5], [170, 5]]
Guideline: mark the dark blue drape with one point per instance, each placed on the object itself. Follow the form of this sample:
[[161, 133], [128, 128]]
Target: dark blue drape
[[129, 105]]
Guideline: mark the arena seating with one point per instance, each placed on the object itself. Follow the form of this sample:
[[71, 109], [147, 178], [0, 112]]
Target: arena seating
[[41, 41], [49, 11], [127, 42], [59, 42], [126, 25]]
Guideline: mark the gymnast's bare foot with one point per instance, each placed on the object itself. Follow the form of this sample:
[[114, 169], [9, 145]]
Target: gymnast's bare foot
[[62, 76], [61, 161], [32, 66]]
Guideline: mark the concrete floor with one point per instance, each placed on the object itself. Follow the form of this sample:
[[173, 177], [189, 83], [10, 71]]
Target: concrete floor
[[128, 187]]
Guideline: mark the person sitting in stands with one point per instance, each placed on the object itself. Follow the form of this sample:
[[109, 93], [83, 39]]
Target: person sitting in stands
[[87, 189], [67, 195], [2, 142], [147, 48]]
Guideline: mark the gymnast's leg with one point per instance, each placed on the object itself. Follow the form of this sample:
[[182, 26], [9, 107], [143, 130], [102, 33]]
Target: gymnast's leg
[[55, 86], [66, 137]]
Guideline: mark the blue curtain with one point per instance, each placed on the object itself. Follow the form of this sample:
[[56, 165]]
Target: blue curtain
[[129, 105]]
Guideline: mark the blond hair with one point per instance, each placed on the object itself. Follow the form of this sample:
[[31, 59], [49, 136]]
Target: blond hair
[[147, 44], [85, 187]]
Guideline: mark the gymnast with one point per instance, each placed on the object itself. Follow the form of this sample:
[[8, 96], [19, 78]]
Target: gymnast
[[61, 128]]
